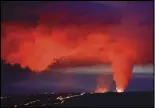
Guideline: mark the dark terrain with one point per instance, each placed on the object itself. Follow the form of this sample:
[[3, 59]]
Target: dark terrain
[[137, 99]]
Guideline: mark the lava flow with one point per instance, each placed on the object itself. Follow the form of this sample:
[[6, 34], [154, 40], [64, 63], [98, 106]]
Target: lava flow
[[101, 90], [119, 90]]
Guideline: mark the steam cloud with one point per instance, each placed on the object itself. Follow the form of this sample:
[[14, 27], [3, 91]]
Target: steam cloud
[[121, 45], [103, 84]]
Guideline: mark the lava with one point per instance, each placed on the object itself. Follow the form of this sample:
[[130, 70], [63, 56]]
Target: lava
[[63, 99], [119, 90], [101, 90]]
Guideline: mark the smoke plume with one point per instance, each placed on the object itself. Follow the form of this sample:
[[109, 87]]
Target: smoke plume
[[103, 84], [122, 44]]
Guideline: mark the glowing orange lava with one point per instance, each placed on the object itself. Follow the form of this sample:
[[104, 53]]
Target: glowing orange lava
[[119, 90], [101, 90]]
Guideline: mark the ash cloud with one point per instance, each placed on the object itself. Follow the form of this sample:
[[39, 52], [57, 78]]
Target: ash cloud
[[82, 32]]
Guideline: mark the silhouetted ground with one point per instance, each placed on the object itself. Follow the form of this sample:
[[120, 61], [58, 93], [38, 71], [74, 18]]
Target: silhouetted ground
[[112, 99], [137, 99]]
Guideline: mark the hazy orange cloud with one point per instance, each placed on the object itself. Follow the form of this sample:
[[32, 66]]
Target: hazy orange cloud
[[37, 47]]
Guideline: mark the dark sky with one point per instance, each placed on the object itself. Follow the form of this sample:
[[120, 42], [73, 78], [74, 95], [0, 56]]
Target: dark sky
[[15, 79], [107, 12]]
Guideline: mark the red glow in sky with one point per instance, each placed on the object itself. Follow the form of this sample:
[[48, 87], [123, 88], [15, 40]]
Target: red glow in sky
[[37, 48]]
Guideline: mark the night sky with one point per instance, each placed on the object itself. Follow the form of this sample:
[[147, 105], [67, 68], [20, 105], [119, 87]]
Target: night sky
[[15, 79]]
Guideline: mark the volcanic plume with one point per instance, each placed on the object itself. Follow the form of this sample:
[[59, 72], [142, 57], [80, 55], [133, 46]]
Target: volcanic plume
[[38, 47], [103, 84]]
